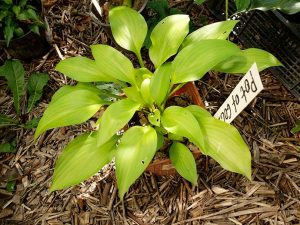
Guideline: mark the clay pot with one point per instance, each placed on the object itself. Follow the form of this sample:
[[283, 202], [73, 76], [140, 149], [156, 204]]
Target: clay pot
[[164, 167]]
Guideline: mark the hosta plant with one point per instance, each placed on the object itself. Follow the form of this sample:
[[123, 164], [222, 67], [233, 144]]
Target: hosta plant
[[147, 92]]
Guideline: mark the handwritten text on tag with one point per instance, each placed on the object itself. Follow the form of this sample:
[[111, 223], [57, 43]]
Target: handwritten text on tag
[[246, 90]]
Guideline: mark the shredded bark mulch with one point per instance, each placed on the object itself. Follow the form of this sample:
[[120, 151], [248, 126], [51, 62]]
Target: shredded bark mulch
[[221, 197]]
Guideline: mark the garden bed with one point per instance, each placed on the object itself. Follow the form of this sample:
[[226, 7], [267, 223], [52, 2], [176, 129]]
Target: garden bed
[[221, 197]]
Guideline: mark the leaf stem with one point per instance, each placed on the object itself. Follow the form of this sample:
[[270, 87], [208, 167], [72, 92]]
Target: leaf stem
[[176, 89], [127, 3], [162, 106], [226, 9], [140, 59]]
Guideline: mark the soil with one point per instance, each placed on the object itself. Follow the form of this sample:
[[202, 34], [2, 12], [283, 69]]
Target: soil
[[221, 197], [182, 100]]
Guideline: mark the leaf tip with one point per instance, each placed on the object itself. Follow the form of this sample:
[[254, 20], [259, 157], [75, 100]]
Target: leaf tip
[[54, 187], [58, 66], [248, 173], [121, 195], [36, 135], [38, 132], [195, 181]]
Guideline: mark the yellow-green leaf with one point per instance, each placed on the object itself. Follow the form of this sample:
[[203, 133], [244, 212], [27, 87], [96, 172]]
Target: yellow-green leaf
[[223, 143], [115, 117], [82, 69], [135, 151], [76, 105], [80, 160], [113, 63], [194, 61], [141, 74], [243, 60], [154, 117], [166, 37], [218, 30], [160, 82], [184, 162], [181, 121], [200, 112], [128, 27], [145, 91], [133, 94]]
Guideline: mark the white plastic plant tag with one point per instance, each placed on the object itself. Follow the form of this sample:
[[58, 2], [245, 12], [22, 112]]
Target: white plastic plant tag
[[246, 90]]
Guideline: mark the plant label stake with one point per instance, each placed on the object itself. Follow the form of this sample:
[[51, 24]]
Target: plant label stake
[[246, 90]]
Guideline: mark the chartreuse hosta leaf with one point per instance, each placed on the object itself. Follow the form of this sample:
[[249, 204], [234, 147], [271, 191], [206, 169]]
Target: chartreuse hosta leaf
[[81, 159], [133, 94], [145, 91], [70, 105], [223, 143], [154, 117], [160, 83], [243, 60], [36, 83], [183, 161], [180, 121], [135, 151], [129, 28], [141, 74], [115, 117], [194, 61], [218, 30], [160, 140], [82, 69], [113, 63], [13, 72], [166, 38]]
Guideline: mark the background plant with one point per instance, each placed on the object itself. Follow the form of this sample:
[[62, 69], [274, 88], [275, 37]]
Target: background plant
[[18, 17], [13, 71], [286, 6], [197, 53], [296, 128]]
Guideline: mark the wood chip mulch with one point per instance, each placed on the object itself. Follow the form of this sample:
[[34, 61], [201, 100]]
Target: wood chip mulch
[[221, 197]]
